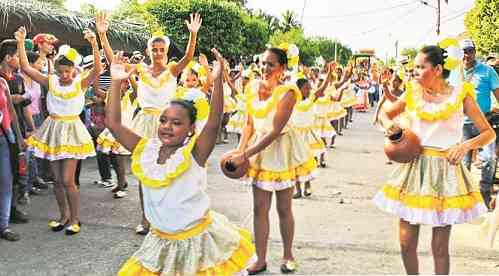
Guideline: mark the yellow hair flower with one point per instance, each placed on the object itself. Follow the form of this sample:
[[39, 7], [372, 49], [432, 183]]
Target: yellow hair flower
[[70, 53], [448, 42], [451, 63], [454, 53]]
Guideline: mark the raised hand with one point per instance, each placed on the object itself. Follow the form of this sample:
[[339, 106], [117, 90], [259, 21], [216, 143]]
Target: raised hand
[[20, 34], [195, 23], [90, 36], [203, 60], [101, 22], [219, 65], [118, 70]]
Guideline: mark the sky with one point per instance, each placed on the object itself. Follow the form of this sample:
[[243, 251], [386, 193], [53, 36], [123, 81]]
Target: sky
[[374, 24], [361, 24]]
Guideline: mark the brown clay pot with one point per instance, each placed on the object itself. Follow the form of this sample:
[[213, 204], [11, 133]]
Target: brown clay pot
[[229, 169], [403, 147]]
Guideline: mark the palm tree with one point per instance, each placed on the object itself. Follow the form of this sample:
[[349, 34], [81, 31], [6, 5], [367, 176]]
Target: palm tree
[[289, 21], [272, 21]]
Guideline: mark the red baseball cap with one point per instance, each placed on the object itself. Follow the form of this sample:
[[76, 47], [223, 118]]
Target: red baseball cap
[[41, 38]]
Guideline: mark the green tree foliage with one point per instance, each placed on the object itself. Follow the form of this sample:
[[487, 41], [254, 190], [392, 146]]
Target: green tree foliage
[[311, 48], [228, 26], [225, 26], [482, 23], [289, 21], [57, 3], [410, 52]]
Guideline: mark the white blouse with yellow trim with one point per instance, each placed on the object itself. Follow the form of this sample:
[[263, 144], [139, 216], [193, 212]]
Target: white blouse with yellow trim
[[65, 100], [155, 92], [303, 115], [174, 193], [263, 111], [438, 125]]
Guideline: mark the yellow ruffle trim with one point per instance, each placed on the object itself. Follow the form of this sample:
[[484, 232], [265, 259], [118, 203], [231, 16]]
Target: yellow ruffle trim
[[261, 111], [86, 149], [269, 176], [65, 95], [348, 102], [306, 104], [317, 146], [138, 171], [464, 202], [156, 83], [201, 103], [414, 102], [337, 114], [108, 144], [237, 262]]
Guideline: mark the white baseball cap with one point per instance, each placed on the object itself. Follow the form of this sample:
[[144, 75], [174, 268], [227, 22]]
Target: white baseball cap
[[467, 44]]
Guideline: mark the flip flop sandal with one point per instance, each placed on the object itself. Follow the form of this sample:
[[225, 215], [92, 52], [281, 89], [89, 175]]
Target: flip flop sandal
[[141, 230], [288, 267], [57, 226]]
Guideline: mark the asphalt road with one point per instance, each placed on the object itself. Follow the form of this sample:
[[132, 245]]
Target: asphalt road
[[338, 229]]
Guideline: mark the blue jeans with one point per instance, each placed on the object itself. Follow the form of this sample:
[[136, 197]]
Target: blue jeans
[[5, 183], [488, 156]]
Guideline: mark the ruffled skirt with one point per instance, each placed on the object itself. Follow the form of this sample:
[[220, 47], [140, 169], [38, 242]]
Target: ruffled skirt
[[62, 137], [146, 123], [337, 111], [348, 99], [323, 127], [106, 143], [216, 248], [431, 191], [313, 140], [284, 162]]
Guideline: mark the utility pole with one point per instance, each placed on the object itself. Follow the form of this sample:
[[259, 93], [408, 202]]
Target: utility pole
[[438, 17], [335, 50], [303, 11], [396, 50]]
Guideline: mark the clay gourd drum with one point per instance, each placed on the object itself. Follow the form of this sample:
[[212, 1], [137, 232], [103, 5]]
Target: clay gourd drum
[[403, 147], [229, 169]]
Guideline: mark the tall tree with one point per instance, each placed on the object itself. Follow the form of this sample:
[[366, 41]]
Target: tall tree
[[409, 52], [482, 23], [289, 21]]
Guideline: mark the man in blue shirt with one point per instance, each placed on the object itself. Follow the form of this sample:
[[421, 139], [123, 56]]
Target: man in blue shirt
[[486, 83]]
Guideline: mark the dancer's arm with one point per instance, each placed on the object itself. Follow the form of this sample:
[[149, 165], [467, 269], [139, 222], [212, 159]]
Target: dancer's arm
[[95, 72], [486, 136], [281, 118], [36, 75], [208, 136], [193, 25], [203, 61], [123, 135], [327, 81], [346, 76], [102, 26]]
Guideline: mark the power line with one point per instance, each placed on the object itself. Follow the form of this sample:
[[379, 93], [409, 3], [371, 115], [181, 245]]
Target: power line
[[404, 16], [363, 12]]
